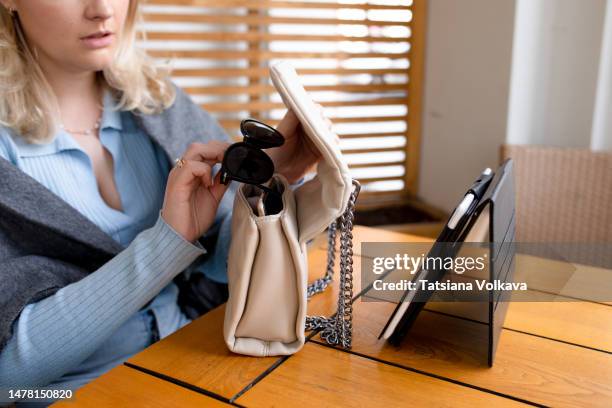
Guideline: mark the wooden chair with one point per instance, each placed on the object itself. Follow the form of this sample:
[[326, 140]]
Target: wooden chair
[[562, 195]]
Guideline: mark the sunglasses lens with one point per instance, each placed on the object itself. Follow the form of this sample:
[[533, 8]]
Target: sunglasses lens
[[248, 164], [260, 135]]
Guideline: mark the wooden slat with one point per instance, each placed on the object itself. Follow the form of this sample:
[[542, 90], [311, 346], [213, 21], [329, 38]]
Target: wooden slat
[[254, 46], [359, 135], [237, 106], [557, 320], [204, 359], [415, 96], [228, 124], [367, 165], [262, 36], [323, 377], [367, 180], [265, 72], [373, 150], [233, 55], [235, 123], [380, 194], [259, 89], [264, 105], [367, 119], [263, 20], [127, 387], [267, 4]]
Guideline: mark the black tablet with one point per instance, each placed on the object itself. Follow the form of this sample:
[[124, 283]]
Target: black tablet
[[447, 245]]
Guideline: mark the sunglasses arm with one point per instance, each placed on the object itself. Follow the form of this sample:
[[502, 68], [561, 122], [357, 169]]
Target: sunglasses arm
[[268, 190]]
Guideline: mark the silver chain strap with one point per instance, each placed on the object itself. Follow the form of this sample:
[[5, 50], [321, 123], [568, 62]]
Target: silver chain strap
[[338, 329]]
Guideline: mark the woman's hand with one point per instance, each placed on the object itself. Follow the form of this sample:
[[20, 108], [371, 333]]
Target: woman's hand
[[297, 156], [192, 196]]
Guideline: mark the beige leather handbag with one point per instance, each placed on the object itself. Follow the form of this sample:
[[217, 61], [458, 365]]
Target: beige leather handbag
[[267, 263]]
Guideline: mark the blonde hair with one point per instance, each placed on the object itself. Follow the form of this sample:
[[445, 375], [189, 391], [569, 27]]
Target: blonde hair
[[27, 103]]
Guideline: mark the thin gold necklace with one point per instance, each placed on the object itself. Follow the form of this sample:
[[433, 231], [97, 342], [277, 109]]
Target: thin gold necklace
[[85, 132]]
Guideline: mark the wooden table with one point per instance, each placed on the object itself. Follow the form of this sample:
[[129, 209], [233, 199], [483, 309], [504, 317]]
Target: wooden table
[[551, 354]]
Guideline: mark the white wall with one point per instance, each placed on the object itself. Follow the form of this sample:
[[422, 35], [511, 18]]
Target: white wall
[[557, 45], [601, 137], [468, 60]]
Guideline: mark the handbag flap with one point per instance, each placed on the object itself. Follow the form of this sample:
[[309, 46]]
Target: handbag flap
[[324, 198]]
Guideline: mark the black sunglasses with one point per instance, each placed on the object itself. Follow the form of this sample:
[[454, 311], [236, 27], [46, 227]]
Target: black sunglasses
[[245, 161]]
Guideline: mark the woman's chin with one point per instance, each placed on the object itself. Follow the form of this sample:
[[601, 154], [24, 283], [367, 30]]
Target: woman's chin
[[95, 63]]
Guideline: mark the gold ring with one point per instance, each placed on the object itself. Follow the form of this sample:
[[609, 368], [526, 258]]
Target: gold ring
[[180, 162]]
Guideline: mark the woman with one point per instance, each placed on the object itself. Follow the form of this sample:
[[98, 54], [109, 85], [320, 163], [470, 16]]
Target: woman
[[86, 256]]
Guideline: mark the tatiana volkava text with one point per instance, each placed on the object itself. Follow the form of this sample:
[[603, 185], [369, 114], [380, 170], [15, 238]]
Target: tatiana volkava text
[[424, 284]]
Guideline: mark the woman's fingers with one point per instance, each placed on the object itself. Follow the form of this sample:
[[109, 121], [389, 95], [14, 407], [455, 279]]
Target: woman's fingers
[[192, 170], [218, 189], [210, 153], [192, 197], [288, 124]]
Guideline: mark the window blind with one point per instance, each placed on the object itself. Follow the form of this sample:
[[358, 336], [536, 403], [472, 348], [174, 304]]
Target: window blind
[[361, 60]]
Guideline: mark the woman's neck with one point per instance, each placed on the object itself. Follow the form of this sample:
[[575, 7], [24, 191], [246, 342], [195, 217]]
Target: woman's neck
[[78, 96]]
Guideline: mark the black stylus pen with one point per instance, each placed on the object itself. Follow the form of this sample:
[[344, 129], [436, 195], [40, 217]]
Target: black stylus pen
[[467, 206]]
